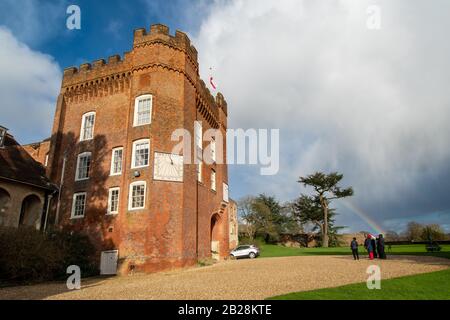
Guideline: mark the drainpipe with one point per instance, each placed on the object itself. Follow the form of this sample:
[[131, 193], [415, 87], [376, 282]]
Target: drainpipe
[[49, 199], [196, 183], [60, 189]]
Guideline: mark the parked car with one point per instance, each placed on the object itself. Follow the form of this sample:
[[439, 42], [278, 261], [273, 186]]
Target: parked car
[[245, 251]]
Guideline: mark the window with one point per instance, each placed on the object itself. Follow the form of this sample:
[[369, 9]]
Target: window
[[83, 166], [198, 132], [199, 171], [143, 110], [113, 201], [225, 192], [116, 161], [141, 153], [213, 180], [78, 205], [213, 149], [2, 136], [136, 197], [46, 160], [87, 126]]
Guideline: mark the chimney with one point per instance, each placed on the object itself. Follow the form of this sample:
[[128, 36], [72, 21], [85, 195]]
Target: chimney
[[3, 131]]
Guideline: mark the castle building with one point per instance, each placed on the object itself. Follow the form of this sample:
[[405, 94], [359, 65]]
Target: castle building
[[112, 155]]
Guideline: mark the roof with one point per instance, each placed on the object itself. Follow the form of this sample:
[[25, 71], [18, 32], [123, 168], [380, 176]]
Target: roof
[[17, 165]]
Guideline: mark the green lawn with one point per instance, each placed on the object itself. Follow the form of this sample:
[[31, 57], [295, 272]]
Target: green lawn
[[268, 250], [432, 286], [428, 286]]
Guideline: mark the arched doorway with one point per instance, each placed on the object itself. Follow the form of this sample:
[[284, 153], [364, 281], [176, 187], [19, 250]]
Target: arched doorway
[[30, 214], [215, 236], [5, 203]]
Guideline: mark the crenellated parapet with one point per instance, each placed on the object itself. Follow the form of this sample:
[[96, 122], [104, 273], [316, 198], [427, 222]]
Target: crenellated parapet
[[99, 69], [209, 106], [159, 33]]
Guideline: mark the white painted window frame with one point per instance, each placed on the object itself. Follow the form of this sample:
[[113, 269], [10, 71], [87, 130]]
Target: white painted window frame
[[130, 195], [136, 109], [78, 166], [83, 123], [213, 149], [111, 172], [226, 194], [200, 171], [213, 180], [110, 191], [133, 154], [72, 213]]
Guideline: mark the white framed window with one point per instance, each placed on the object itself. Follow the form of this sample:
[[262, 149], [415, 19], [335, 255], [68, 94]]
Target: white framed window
[[213, 149], [78, 205], [136, 196], [143, 110], [113, 200], [141, 153], [2, 136], [116, 161], [199, 171], [225, 192], [213, 180], [87, 126], [46, 160], [198, 132], [83, 166]]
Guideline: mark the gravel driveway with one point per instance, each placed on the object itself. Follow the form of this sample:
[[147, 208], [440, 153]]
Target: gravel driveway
[[242, 279]]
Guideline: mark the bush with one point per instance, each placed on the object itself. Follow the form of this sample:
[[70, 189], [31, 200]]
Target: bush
[[259, 242], [27, 255], [76, 249]]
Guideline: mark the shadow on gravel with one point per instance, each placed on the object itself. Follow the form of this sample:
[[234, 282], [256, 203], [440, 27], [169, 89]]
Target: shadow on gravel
[[45, 290]]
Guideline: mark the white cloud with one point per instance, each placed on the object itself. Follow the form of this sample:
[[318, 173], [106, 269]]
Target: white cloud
[[371, 104], [34, 21], [29, 83]]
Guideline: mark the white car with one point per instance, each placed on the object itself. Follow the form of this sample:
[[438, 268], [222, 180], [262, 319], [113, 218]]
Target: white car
[[245, 251]]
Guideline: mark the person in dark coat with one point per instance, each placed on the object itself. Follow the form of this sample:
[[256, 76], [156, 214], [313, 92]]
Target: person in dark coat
[[354, 247], [380, 247], [374, 246], [368, 246]]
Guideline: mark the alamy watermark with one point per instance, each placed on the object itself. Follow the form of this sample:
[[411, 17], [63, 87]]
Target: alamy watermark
[[73, 21], [374, 279], [251, 146], [74, 280]]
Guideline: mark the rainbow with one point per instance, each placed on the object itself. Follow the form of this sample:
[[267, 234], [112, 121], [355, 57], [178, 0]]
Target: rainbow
[[364, 216]]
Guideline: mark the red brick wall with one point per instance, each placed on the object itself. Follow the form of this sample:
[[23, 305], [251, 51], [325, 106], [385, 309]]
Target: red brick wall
[[163, 235], [38, 150]]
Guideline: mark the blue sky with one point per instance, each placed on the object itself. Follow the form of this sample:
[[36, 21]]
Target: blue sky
[[370, 104]]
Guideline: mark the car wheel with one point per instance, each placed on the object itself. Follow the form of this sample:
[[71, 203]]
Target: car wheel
[[252, 255], [232, 257]]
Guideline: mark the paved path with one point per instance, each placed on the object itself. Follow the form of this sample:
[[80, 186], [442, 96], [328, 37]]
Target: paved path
[[242, 279]]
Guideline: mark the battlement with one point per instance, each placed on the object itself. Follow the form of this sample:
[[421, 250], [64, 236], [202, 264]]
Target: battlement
[[160, 32], [96, 69]]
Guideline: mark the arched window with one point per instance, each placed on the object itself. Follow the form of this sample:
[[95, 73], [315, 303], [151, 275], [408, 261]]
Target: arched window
[[5, 203], [30, 214]]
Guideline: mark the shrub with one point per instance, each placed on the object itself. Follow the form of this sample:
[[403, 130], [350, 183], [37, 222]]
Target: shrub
[[257, 241], [27, 255], [76, 249]]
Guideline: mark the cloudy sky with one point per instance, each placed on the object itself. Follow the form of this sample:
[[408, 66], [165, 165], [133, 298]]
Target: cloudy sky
[[373, 104]]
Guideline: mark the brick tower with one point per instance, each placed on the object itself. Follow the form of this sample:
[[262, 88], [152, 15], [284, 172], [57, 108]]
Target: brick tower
[[112, 156]]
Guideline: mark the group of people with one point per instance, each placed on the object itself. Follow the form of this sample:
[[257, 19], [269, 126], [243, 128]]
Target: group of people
[[374, 247]]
